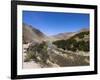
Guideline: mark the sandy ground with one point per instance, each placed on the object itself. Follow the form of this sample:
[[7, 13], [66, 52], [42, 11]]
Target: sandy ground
[[31, 64]]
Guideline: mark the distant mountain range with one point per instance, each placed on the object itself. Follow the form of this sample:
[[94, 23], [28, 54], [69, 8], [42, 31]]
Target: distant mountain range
[[64, 36], [31, 34]]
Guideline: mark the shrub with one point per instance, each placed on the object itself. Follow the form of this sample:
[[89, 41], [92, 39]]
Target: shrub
[[30, 55]]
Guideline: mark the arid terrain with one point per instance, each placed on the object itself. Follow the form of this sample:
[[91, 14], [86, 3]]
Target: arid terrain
[[61, 50]]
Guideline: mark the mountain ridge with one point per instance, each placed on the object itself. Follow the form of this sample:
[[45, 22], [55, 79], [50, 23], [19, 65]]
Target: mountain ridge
[[31, 34]]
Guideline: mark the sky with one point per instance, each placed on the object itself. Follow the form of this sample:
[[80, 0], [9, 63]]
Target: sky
[[52, 23]]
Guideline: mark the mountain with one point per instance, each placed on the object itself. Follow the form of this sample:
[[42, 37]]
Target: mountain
[[64, 36], [78, 42], [31, 34], [67, 35], [84, 30]]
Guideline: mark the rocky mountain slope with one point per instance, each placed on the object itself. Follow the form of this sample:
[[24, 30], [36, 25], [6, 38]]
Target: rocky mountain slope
[[78, 42], [64, 36], [31, 34]]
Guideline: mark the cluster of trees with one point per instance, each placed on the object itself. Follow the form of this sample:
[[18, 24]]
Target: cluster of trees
[[38, 50], [72, 44], [81, 35]]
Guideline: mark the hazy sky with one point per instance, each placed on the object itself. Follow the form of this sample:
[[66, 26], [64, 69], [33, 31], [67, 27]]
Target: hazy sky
[[52, 23]]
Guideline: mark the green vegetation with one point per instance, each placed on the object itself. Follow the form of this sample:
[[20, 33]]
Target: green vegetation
[[30, 56], [37, 50], [72, 44], [81, 34]]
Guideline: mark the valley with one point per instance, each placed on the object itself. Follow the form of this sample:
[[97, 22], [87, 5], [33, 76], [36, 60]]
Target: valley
[[61, 50]]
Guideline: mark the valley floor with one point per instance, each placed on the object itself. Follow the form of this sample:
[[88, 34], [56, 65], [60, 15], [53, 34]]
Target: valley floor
[[57, 59], [30, 65]]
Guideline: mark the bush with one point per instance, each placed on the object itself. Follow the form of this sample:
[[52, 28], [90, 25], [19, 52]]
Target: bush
[[38, 50], [30, 55]]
